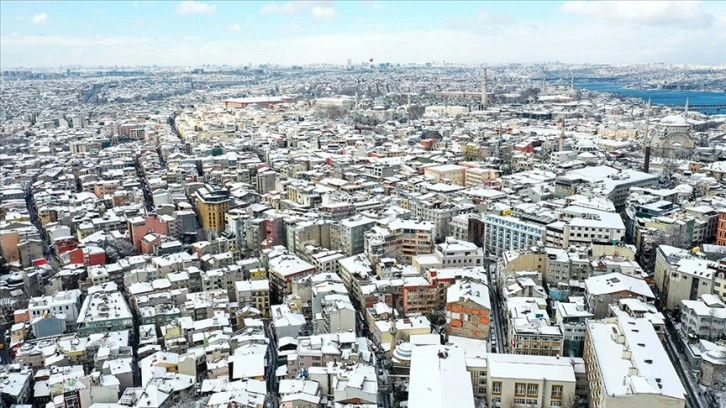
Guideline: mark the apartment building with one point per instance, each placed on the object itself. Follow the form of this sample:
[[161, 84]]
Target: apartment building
[[452, 253], [254, 293], [627, 366], [283, 267], [399, 238], [529, 329], [507, 233], [603, 290], [451, 173], [532, 381], [467, 310], [680, 274], [439, 378], [351, 232], [704, 318], [104, 309], [212, 204]]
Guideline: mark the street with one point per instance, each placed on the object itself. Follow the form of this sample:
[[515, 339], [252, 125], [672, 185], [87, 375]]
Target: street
[[271, 369]]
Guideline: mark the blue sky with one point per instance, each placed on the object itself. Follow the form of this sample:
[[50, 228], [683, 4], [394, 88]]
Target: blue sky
[[192, 33]]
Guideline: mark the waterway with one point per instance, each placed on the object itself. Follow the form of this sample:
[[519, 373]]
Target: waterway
[[661, 97]]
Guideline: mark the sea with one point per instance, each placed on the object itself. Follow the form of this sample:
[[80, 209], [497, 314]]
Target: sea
[[661, 97]]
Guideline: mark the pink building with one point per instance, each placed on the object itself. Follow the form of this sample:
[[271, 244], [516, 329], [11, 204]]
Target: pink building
[[141, 226]]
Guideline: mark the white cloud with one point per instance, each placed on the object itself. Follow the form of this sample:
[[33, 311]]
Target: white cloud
[[41, 18], [589, 41], [189, 7], [290, 8], [233, 28], [374, 4], [319, 10], [687, 13], [323, 13]]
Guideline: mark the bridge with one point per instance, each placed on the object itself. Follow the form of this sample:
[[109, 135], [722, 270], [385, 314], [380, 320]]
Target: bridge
[[699, 107], [564, 78]]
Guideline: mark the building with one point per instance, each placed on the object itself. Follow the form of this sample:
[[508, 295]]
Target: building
[[704, 318], [254, 293], [627, 366], [439, 378], [603, 290], [212, 204], [263, 101], [571, 317], [104, 309], [452, 253], [66, 302], [450, 173], [283, 267], [507, 233], [467, 310], [351, 232], [604, 181], [399, 238], [529, 330], [532, 381], [680, 274]]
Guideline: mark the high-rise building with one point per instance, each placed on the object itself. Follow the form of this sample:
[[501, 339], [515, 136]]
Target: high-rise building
[[212, 204]]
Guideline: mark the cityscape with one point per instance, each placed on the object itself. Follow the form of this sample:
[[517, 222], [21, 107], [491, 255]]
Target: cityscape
[[452, 207]]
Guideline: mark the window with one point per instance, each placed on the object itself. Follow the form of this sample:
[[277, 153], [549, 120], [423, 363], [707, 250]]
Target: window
[[519, 401], [496, 387], [556, 391], [496, 401], [532, 389], [519, 389], [555, 404], [532, 402]]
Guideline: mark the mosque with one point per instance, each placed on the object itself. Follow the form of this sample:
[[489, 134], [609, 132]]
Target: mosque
[[672, 137]]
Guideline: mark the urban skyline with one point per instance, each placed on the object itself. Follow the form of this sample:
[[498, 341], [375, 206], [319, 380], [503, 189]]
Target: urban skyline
[[191, 33]]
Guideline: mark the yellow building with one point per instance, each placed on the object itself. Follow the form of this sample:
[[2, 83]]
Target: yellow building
[[212, 206], [452, 173]]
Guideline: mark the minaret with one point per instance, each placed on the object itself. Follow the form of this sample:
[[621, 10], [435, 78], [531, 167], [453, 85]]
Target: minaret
[[646, 159], [685, 112], [484, 98], [572, 82], [562, 136]]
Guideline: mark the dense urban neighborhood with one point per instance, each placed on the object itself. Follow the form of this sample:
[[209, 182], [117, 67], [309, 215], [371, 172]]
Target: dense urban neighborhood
[[367, 235]]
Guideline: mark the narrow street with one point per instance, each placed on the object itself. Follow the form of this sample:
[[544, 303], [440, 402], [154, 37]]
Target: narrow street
[[271, 368], [693, 395]]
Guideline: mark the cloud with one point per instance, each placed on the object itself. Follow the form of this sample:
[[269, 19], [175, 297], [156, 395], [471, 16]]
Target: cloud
[[574, 40], [233, 28], [687, 13], [41, 18], [323, 13], [97, 11], [190, 7], [374, 4], [140, 22], [319, 10], [483, 21]]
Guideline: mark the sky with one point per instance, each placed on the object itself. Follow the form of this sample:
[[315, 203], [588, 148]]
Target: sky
[[193, 33]]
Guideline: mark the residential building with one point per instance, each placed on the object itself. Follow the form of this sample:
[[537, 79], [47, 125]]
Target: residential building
[[627, 366]]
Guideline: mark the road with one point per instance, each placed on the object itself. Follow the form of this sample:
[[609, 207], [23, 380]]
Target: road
[[693, 399], [495, 300], [271, 369]]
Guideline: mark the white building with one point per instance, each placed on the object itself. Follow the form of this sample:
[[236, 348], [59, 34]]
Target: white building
[[506, 233], [627, 366], [439, 378], [705, 318]]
